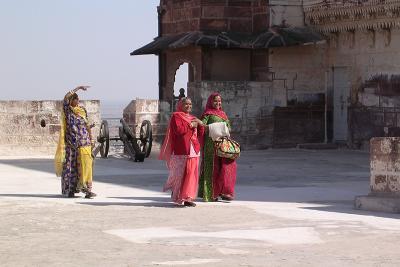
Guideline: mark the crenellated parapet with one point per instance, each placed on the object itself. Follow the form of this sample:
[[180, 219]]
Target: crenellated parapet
[[351, 15]]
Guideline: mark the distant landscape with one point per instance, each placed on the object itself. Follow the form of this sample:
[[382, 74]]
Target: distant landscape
[[113, 109]]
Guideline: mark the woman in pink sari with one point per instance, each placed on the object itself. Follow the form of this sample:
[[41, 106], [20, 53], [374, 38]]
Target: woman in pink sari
[[181, 151]]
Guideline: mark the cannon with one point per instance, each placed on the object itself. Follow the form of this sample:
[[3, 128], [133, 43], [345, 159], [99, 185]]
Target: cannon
[[138, 148]]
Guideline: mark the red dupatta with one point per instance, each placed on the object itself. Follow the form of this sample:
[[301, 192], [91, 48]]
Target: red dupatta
[[166, 148], [210, 110]]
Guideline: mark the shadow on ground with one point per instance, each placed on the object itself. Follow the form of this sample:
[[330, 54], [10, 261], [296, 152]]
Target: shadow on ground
[[131, 204], [348, 209], [33, 195], [284, 175]]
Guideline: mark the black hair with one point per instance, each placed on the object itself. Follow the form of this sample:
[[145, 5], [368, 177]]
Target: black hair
[[74, 96]]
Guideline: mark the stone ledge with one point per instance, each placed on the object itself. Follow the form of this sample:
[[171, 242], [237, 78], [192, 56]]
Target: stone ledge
[[317, 146], [381, 204]]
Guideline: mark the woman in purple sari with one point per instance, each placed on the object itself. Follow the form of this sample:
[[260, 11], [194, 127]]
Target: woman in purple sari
[[73, 161]]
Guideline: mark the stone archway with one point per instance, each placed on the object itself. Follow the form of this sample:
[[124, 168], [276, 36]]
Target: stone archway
[[171, 74], [181, 79], [190, 72], [173, 60], [183, 75]]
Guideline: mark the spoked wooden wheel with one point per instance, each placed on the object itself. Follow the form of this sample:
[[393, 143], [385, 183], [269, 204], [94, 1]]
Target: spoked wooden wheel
[[146, 138], [104, 139], [130, 142]]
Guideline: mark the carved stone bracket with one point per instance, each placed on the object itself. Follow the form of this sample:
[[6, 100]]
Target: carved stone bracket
[[344, 16]]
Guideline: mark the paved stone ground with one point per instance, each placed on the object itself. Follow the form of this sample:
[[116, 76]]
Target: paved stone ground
[[293, 208]]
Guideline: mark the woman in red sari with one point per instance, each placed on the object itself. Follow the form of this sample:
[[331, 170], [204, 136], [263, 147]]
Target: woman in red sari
[[181, 151], [218, 175]]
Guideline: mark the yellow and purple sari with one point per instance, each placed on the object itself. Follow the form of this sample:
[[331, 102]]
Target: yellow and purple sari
[[73, 160]]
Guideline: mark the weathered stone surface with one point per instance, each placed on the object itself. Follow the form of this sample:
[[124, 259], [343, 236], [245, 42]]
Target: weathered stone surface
[[365, 51], [250, 107], [296, 125], [213, 11], [139, 110], [214, 24], [21, 132], [54, 129], [382, 204], [238, 12], [385, 176], [242, 16], [385, 164], [243, 25]]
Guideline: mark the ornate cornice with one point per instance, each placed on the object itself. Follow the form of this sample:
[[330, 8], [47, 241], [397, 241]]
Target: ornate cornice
[[351, 15]]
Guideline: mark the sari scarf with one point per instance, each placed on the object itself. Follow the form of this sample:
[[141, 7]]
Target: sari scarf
[[183, 169], [210, 110], [59, 158]]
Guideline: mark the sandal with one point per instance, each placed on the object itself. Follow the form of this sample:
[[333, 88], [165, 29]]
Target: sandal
[[227, 197], [189, 204], [90, 195]]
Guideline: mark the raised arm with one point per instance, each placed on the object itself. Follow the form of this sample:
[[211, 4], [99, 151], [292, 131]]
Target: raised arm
[[73, 91]]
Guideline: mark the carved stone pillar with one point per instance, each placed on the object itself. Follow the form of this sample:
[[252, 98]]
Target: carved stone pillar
[[385, 177]]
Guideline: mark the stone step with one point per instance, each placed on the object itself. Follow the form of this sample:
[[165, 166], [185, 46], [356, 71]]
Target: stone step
[[381, 204]]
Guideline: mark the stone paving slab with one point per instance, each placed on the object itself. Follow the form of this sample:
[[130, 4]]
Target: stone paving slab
[[293, 208]]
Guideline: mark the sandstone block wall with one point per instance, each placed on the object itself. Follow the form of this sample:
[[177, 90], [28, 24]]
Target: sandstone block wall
[[21, 133], [156, 112], [373, 110], [173, 59], [298, 125], [301, 67], [385, 166], [201, 15], [181, 16], [367, 122], [214, 65], [259, 114]]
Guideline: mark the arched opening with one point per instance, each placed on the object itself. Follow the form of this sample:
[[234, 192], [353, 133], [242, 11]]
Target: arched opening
[[183, 76]]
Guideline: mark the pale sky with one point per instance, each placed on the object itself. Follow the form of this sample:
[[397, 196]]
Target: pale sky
[[48, 47]]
